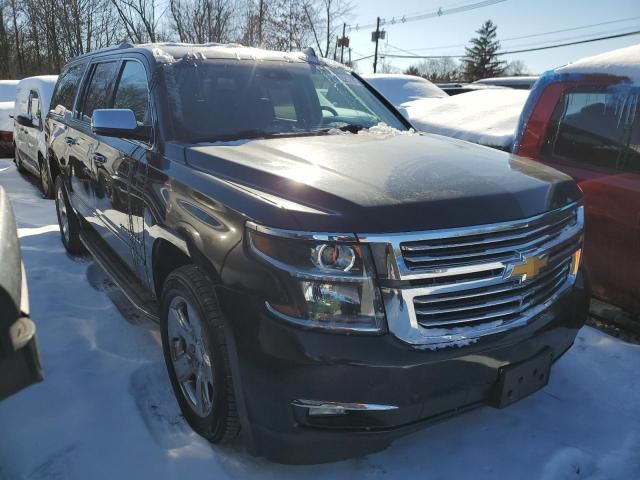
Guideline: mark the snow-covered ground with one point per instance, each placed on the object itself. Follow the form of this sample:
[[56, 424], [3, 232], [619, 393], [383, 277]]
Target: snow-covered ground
[[105, 409]]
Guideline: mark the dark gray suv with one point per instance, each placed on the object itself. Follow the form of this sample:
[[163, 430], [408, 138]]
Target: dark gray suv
[[325, 278]]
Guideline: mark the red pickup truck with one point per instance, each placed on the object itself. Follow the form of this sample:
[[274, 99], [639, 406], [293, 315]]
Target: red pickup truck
[[583, 119]]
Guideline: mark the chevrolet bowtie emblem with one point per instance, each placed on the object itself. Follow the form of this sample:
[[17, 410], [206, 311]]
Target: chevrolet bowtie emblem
[[530, 268]]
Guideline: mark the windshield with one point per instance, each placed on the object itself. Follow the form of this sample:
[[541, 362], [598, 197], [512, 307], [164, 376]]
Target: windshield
[[220, 100]]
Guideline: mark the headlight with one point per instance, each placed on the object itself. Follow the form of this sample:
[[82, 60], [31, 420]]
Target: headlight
[[329, 285]]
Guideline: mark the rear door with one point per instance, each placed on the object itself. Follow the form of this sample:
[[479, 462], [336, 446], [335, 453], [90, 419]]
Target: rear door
[[61, 134], [594, 136]]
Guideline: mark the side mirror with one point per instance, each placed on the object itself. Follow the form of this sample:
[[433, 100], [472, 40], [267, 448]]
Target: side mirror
[[24, 120], [119, 123]]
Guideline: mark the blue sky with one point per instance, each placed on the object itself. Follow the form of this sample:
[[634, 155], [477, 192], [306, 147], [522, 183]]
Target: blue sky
[[515, 18]]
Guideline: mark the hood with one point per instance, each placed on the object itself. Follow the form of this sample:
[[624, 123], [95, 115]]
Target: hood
[[381, 183]]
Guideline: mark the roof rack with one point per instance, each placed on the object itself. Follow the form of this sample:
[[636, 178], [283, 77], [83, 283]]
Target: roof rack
[[107, 49]]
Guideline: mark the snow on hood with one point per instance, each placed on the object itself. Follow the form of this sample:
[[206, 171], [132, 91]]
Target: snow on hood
[[399, 89], [621, 62], [379, 130], [487, 117], [6, 122]]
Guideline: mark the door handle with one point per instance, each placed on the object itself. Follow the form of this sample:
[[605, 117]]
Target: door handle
[[99, 158], [70, 140]]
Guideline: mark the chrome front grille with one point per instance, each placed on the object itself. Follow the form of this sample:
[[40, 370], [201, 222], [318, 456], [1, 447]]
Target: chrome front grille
[[501, 243], [451, 287], [503, 301]]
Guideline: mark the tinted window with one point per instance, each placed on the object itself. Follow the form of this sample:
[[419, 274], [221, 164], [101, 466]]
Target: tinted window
[[66, 89], [597, 128], [132, 92], [216, 100], [98, 92]]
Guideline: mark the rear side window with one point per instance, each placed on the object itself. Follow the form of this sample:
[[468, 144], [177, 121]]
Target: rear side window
[[597, 128], [66, 88], [98, 92], [133, 92], [34, 104]]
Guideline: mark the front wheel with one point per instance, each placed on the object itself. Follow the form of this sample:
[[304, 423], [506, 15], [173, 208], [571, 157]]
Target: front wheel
[[46, 182], [195, 352], [67, 220]]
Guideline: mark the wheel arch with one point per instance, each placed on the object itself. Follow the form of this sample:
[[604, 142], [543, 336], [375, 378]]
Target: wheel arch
[[166, 256], [54, 168]]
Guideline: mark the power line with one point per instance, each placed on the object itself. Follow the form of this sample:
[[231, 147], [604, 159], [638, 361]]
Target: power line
[[363, 58], [525, 50], [433, 14], [540, 34]]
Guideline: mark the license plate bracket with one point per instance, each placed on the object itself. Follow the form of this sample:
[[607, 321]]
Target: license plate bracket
[[520, 380]]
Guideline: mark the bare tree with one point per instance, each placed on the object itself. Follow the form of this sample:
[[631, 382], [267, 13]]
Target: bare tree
[[140, 19], [200, 21], [329, 17]]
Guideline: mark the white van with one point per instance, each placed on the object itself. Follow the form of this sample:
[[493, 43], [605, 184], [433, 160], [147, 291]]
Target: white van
[[33, 96]]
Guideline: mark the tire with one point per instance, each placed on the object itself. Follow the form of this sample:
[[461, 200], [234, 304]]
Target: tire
[[46, 182], [71, 236], [189, 291]]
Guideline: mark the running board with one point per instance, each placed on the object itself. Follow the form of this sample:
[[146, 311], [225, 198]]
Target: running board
[[125, 280]]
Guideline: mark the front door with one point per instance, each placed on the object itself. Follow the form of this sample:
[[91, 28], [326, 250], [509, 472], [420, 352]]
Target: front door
[[83, 145], [119, 204], [33, 133], [118, 165]]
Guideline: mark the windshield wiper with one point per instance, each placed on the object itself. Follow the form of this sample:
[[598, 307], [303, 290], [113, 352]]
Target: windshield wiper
[[242, 135], [349, 127]]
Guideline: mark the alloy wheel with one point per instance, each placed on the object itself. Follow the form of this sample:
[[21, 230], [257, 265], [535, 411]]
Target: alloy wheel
[[190, 356], [44, 179], [62, 214]]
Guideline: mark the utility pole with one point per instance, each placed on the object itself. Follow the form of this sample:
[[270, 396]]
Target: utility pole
[[344, 31], [377, 38]]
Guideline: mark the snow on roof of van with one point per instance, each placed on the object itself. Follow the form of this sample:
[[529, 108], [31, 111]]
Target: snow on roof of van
[[44, 84], [399, 89], [8, 90], [624, 62]]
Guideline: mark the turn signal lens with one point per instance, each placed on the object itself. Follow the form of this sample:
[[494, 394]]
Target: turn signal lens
[[576, 260]]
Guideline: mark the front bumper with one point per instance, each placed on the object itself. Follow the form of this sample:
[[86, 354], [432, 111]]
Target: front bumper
[[276, 364]]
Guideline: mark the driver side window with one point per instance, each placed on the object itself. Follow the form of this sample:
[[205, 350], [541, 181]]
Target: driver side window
[[132, 92]]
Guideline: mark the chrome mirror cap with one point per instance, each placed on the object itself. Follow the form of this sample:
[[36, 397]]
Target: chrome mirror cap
[[105, 121]]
